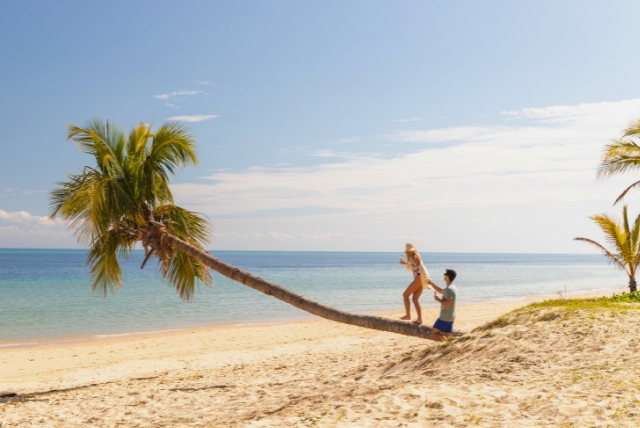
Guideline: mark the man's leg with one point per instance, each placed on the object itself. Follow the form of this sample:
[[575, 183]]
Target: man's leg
[[437, 335]]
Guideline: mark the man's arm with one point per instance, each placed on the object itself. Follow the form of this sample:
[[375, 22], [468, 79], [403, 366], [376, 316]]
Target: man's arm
[[447, 301]]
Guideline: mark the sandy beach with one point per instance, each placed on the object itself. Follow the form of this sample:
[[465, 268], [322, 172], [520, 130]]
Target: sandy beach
[[318, 373]]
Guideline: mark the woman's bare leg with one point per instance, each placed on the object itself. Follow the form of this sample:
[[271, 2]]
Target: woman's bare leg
[[407, 293], [416, 303]]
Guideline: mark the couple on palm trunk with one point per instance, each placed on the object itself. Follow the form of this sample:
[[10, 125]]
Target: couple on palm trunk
[[443, 327]]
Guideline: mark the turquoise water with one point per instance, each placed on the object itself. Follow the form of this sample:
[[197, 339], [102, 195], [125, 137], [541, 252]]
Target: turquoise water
[[46, 294]]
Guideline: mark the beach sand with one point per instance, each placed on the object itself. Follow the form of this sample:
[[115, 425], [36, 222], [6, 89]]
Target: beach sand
[[532, 372]]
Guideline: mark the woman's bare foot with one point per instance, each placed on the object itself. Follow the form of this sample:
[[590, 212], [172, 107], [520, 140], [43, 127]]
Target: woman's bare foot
[[405, 318], [418, 321]]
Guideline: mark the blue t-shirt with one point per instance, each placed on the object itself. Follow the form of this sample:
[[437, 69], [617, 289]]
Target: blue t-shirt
[[448, 313]]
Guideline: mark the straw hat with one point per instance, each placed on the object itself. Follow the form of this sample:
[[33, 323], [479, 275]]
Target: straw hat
[[410, 248]]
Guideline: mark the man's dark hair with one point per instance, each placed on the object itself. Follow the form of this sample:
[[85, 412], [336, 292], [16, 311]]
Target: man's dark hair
[[451, 274]]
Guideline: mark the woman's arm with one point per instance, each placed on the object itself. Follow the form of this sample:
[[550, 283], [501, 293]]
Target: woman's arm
[[435, 287]]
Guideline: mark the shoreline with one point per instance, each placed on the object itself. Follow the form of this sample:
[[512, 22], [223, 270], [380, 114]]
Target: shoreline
[[127, 336], [58, 366]]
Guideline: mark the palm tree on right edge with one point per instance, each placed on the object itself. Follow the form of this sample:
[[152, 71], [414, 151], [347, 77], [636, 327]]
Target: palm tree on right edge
[[624, 240]]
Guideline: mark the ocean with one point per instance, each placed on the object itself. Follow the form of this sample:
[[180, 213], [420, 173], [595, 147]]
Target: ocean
[[46, 294]]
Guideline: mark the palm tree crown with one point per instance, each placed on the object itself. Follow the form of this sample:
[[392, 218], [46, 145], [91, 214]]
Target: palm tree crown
[[624, 240], [110, 204], [622, 156]]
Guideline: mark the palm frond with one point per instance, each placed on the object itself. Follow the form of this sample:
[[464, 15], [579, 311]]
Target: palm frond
[[185, 273], [612, 257], [625, 221], [635, 239], [103, 140], [173, 148], [137, 142], [633, 129], [619, 156], [104, 266], [189, 226], [613, 232], [623, 194]]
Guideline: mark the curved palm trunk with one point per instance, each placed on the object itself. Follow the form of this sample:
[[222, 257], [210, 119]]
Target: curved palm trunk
[[632, 285], [294, 299]]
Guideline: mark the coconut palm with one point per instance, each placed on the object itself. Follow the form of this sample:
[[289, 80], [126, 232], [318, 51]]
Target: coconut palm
[[125, 198], [622, 156], [624, 241]]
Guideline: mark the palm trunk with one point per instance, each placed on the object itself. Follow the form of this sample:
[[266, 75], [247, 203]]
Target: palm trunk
[[632, 285], [294, 299]]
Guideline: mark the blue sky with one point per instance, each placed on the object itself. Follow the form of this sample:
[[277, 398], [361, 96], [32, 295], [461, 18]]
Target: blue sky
[[358, 125]]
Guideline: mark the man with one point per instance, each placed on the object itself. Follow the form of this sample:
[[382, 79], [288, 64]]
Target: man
[[443, 328]]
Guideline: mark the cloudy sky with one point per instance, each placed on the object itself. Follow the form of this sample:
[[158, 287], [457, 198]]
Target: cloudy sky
[[352, 126]]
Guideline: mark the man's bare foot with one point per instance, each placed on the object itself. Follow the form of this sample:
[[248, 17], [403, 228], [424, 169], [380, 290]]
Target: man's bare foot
[[405, 318], [418, 321]]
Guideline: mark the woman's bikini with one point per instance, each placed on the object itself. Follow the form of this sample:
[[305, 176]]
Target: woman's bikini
[[415, 267]]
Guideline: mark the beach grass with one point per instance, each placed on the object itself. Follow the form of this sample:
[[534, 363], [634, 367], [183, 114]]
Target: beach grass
[[549, 310]]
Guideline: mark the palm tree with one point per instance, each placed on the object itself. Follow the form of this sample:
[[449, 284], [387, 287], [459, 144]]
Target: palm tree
[[125, 198], [621, 156], [624, 240]]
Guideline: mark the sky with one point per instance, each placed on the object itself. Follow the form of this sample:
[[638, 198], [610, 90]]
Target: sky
[[334, 125]]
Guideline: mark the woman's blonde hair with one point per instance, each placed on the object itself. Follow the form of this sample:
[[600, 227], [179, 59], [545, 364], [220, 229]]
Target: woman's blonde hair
[[411, 251]]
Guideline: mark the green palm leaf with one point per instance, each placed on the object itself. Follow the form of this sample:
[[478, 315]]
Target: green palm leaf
[[623, 238], [109, 204]]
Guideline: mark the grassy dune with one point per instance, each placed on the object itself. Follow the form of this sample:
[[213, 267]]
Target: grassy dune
[[556, 363]]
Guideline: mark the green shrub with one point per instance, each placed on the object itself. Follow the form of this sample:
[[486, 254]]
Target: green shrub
[[631, 297]]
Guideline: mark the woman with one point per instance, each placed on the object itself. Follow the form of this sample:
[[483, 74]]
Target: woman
[[421, 281]]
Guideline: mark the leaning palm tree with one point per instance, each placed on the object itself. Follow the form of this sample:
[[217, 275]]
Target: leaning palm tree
[[624, 240], [126, 199], [622, 156]]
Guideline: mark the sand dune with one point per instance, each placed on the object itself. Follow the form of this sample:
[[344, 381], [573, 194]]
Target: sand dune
[[533, 367]]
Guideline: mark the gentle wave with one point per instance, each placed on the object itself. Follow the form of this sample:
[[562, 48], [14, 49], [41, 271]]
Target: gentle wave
[[137, 333], [46, 294]]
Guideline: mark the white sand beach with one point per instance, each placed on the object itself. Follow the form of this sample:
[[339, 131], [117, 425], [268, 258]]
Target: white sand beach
[[532, 371]]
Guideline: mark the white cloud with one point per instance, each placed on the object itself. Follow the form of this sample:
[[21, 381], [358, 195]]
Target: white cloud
[[349, 140], [413, 119], [326, 154], [193, 118], [176, 94], [302, 237], [500, 188], [204, 82], [23, 217], [21, 229]]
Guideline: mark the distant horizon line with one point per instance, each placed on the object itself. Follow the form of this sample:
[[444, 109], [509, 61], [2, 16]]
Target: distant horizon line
[[324, 251]]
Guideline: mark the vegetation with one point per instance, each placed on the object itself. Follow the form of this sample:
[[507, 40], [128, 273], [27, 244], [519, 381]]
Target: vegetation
[[550, 310], [615, 301], [633, 297], [125, 198], [624, 239], [110, 204], [621, 156]]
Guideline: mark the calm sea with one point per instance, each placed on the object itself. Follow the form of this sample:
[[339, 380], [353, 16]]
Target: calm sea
[[46, 294]]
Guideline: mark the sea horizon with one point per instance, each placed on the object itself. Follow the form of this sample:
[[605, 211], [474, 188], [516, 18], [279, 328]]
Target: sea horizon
[[45, 294]]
